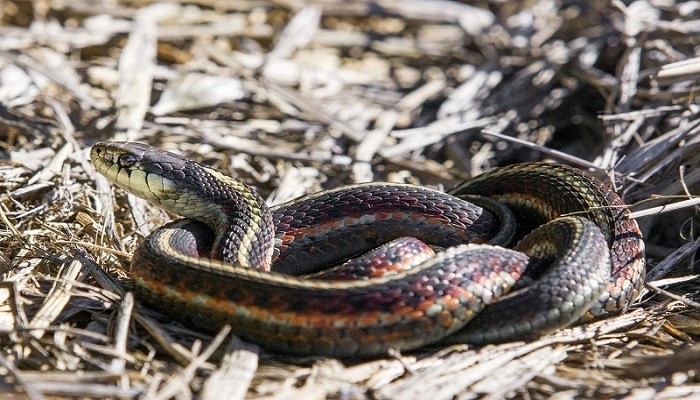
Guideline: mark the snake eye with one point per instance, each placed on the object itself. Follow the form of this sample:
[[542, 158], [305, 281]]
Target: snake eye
[[127, 160]]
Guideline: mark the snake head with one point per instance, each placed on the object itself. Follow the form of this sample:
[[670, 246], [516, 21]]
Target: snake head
[[142, 170], [169, 180], [185, 187]]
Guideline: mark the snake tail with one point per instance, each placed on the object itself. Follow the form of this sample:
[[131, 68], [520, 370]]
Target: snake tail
[[571, 262], [541, 192]]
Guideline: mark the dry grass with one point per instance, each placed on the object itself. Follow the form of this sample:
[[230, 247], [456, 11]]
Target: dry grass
[[294, 97]]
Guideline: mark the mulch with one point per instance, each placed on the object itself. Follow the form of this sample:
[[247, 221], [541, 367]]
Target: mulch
[[294, 97]]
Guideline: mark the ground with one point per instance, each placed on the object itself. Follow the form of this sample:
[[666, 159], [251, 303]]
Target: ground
[[294, 97]]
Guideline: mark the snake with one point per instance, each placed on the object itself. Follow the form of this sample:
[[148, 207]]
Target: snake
[[512, 254]]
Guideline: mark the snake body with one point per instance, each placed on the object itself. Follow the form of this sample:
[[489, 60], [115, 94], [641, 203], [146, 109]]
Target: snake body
[[234, 261]]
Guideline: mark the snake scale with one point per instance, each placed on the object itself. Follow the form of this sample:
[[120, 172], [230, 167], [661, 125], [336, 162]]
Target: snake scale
[[232, 260]]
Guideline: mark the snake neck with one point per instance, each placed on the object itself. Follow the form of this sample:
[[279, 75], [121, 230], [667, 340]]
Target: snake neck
[[240, 219]]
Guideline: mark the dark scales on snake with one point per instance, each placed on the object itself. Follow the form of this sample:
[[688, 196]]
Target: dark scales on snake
[[211, 268]]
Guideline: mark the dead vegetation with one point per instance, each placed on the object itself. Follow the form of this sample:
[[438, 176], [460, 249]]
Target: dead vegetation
[[295, 97]]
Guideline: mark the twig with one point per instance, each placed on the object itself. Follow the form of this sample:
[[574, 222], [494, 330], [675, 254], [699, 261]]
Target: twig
[[679, 205]]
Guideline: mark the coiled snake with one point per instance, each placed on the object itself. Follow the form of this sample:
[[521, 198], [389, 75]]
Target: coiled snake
[[234, 261]]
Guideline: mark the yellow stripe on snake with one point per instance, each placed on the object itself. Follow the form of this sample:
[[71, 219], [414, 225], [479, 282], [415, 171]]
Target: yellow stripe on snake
[[234, 261]]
